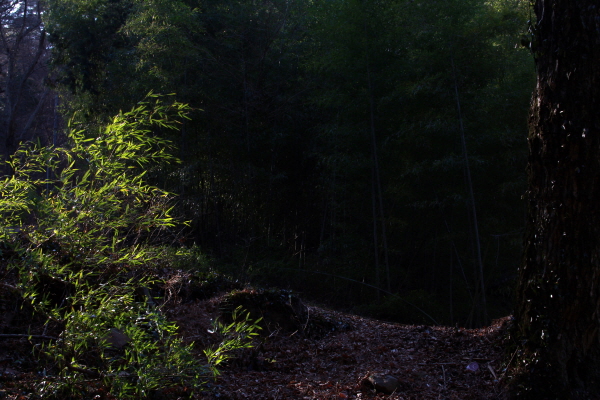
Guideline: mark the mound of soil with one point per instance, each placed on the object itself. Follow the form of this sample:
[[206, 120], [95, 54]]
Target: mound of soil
[[279, 311]]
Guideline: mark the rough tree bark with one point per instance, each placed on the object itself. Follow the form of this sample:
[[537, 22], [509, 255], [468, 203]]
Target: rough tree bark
[[558, 297]]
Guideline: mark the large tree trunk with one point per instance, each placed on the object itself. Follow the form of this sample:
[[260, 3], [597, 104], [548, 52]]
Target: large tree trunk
[[558, 299]]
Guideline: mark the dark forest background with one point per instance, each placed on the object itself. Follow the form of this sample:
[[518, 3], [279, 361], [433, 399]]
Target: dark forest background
[[369, 155]]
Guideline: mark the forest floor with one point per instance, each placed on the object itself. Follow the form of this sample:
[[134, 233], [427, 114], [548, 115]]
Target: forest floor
[[345, 358], [428, 362]]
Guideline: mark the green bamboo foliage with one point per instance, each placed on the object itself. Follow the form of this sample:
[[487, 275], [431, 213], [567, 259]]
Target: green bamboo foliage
[[80, 225]]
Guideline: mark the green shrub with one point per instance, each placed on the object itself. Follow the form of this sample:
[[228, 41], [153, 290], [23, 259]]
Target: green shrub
[[127, 345], [235, 335], [81, 224]]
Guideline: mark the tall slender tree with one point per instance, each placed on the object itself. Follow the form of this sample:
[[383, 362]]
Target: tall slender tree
[[325, 126], [23, 57], [558, 308], [387, 81]]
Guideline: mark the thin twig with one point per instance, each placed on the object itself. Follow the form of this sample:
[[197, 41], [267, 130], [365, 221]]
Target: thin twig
[[307, 319], [492, 371], [439, 363], [90, 373], [508, 364], [444, 373]]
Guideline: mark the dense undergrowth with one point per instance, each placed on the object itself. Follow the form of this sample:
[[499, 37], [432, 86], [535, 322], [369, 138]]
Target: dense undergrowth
[[84, 237]]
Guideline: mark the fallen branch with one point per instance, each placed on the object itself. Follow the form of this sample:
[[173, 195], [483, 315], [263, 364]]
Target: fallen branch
[[24, 335], [10, 287]]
